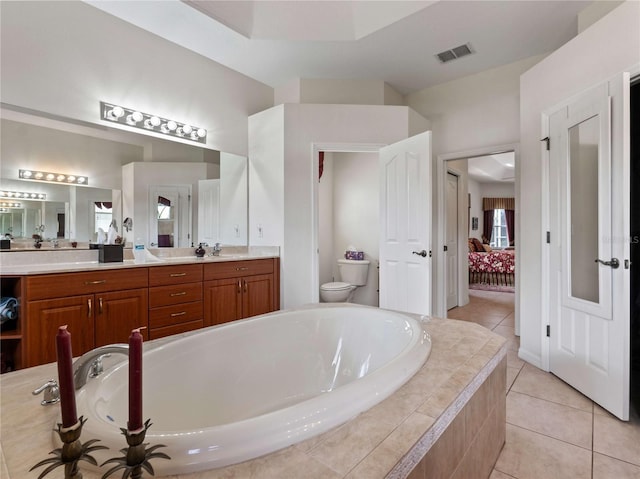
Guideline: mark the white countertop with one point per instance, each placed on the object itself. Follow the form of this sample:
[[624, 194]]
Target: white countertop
[[70, 260]]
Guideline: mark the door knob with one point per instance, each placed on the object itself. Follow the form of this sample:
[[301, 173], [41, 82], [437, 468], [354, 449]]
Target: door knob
[[422, 253], [614, 263]]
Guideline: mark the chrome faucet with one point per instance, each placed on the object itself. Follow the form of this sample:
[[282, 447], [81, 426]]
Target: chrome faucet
[[216, 249], [55, 243], [90, 363]]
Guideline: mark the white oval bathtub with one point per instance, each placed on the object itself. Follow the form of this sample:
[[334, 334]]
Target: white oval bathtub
[[241, 390]]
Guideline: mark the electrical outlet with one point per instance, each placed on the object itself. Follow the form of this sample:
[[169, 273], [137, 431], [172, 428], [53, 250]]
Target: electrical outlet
[[260, 232]]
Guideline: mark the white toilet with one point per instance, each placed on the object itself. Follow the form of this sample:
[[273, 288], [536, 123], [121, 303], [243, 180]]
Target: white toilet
[[353, 274]]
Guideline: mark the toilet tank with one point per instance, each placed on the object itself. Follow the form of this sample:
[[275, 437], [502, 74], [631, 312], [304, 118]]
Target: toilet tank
[[353, 272]]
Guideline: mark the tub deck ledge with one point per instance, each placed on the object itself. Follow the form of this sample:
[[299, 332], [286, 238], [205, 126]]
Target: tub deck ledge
[[449, 419]]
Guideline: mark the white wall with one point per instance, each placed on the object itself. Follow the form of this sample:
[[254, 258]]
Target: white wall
[[326, 255], [234, 198], [475, 112], [356, 216], [283, 177], [476, 207], [337, 91], [63, 58], [603, 50]]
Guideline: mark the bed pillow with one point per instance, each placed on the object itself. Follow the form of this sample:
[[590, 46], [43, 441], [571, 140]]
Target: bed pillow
[[487, 248], [477, 244]]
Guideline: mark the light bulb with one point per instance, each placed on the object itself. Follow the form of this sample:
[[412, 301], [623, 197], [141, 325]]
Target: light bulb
[[201, 132], [172, 125], [82, 179], [187, 129], [134, 118], [26, 174], [61, 177], [116, 112], [39, 175], [50, 176], [71, 178]]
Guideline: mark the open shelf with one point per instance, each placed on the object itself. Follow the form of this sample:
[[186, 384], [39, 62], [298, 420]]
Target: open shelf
[[11, 335]]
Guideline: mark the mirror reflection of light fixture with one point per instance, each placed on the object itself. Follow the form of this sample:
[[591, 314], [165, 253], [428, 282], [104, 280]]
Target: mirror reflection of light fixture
[[53, 177], [134, 118], [22, 195], [7, 204]]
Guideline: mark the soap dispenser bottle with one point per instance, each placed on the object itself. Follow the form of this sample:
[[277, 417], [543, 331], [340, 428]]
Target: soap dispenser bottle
[[200, 251]]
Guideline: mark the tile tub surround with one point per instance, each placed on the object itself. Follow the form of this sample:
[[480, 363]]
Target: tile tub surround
[[447, 420]]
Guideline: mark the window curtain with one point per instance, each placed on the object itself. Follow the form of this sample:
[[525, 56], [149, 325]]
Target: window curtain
[[510, 217], [104, 204], [487, 228], [490, 204], [320, 164]]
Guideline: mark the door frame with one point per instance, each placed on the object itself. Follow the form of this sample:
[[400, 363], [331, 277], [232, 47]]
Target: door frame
[[440, 294], [316, 148]]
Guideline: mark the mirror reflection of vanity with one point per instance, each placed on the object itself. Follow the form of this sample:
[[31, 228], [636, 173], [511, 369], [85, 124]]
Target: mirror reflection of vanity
[[123, 168]]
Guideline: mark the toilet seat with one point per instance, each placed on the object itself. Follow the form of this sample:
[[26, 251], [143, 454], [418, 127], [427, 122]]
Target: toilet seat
[[335, 286]]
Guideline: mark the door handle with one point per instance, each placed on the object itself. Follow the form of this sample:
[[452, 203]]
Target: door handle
[[422, 253], [614, 263]]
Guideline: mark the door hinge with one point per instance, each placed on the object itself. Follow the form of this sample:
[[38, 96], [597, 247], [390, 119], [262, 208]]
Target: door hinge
[[429, 253], [548, 236], [548, 141], [548, 331], [446, 248]]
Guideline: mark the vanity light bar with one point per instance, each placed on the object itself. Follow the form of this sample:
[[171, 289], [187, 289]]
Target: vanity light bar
[[53, 177], [145, 121], [23, 195], [5, 204]]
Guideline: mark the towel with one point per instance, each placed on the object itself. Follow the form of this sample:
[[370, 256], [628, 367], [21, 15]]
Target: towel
[[8, 309]]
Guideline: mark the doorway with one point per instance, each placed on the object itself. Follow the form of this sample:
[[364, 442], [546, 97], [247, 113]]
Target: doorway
[[494, 176], [348, 214]]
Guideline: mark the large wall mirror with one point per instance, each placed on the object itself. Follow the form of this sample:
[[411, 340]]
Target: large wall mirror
[[38, 141]]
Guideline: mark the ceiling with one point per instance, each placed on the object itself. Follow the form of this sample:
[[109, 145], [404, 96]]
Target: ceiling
[[498, 168], [275, 42]]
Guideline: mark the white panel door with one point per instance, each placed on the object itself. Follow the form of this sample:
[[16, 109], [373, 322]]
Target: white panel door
[[589, 288], [451, 229], [405, 219], [209, 211]]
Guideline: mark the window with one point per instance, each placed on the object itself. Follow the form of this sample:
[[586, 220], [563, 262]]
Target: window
[[499, 238]]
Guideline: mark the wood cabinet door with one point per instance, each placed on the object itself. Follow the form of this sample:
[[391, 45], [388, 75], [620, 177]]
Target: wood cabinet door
[[222, 301], [118, 312], [46, 316], [257, 295]]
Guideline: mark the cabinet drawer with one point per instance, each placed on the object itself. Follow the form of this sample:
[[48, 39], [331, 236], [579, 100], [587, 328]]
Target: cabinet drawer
[[174, 294], [71, 284], [236, 269], [186, 273], [175, 314], [175, 329]]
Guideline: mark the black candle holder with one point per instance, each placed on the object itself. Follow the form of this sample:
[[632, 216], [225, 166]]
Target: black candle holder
[[136, 456], [71, 452]]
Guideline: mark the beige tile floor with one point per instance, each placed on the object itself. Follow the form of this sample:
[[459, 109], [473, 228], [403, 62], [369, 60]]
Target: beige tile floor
[[553, 431]]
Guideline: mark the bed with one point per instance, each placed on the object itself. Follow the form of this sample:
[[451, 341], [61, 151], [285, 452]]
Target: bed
[[492, 267]]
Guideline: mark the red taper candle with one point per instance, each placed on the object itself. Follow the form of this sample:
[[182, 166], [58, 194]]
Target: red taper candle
[[135, 381], [65, 377]]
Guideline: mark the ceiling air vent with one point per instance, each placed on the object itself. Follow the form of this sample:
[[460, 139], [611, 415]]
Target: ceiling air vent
[[454, 53]]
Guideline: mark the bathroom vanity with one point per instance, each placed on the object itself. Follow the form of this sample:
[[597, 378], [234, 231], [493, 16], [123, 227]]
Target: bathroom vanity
[[102, 302]]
